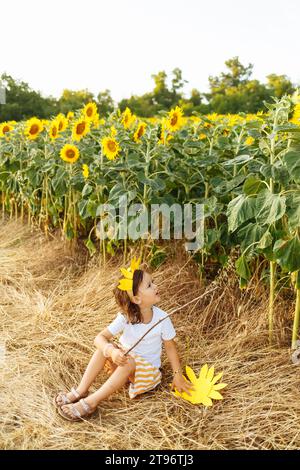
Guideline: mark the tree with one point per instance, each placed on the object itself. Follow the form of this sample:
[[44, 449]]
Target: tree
[[279, 85], [71, 100], [22, 102], [105, 103]]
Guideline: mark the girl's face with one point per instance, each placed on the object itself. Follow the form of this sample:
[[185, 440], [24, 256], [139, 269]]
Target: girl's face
[[148, 292]]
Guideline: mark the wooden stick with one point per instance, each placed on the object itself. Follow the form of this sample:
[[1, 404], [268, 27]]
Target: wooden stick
[[167, 316]]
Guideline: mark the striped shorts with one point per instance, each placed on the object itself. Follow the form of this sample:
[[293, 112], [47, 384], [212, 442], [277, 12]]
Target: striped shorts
[[146, 376]]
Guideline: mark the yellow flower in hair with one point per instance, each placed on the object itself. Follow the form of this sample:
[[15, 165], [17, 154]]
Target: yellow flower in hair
[[127, 281]]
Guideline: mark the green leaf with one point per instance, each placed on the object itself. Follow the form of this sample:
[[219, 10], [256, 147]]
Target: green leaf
[[269, 207], [240, 160], [287, 253], [242, 268], [87, 189], [292, 162], [90, 246], [253, 185], [227, 186], [249, 235], [293, 210], [240, 209]]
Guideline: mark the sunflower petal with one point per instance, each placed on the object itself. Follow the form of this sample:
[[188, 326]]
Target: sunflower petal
[[219, 386], [203, 372], [206, 401], [135, 263], [210, 373], [216, 378], [127, 274], [215, 395], [191, 374], [125, 284]]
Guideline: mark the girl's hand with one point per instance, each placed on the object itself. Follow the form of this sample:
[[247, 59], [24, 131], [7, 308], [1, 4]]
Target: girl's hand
[[118, 357], [181, 384]]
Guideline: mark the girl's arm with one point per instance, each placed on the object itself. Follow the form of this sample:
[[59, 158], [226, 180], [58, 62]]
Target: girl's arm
[[178, 380], [102, 339]]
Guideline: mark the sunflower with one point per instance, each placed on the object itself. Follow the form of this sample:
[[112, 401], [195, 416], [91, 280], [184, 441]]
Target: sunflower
[[97, 122], [85, 171], [249, 140], [69, 153], [70, 115], [175, 119], [62, 122], [53, 131], [164, 133], [90, 111], [80, 128], [127, 118], [126, 282], [205, 386], [296, 116], [140, 131], [5, 128], [110, 147], [34, 127]]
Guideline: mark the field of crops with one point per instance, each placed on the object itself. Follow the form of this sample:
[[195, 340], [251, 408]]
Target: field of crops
[[245, 169]]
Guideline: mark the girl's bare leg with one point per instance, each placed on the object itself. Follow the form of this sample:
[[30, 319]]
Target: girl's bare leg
[[94, 367], [117, 379]]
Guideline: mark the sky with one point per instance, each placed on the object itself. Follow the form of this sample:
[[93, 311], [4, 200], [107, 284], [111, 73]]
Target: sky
[[119, 44]]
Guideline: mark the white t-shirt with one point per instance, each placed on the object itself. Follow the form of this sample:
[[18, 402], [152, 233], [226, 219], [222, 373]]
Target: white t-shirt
[[150, 347]]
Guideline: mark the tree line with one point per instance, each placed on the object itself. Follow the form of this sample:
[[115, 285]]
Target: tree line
[[233, 91]]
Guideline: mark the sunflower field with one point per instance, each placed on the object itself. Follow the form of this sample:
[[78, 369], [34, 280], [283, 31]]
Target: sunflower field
[[245, 169]]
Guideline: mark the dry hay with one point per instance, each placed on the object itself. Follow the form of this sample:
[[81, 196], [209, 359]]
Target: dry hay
[[52, 305]]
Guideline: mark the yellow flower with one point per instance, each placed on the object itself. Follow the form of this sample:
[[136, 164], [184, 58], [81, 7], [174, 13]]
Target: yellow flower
[[80, 128], [205, 386], [5, 128], [113, 131], [69, 153], [62, 122], [110, 147], [70, 115], [175, 119], [97, 122], [127, 118], [164, 135], [249, 140], [85, 171], [90, 111], [33, 128], [296, 115], [126, 282], [139, 131], [202, 136], [53, 131]]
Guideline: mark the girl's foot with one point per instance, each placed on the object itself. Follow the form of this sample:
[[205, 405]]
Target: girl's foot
[[78, 411], [63, 398]]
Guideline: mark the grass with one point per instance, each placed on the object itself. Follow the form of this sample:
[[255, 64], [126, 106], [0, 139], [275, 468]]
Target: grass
[[52, 305]]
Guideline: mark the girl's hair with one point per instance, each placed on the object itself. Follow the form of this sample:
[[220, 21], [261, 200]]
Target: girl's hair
[[131, 309]]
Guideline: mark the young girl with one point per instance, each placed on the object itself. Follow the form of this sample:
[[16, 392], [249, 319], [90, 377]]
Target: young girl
[[136, 295]]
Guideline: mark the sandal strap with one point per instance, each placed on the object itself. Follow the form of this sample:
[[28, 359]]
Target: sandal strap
[[85, 405], [75, 411], [65, 399], [75, 393]]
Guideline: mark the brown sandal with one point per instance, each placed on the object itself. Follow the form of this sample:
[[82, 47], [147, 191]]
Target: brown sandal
[[66, 400], [76, 415]]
